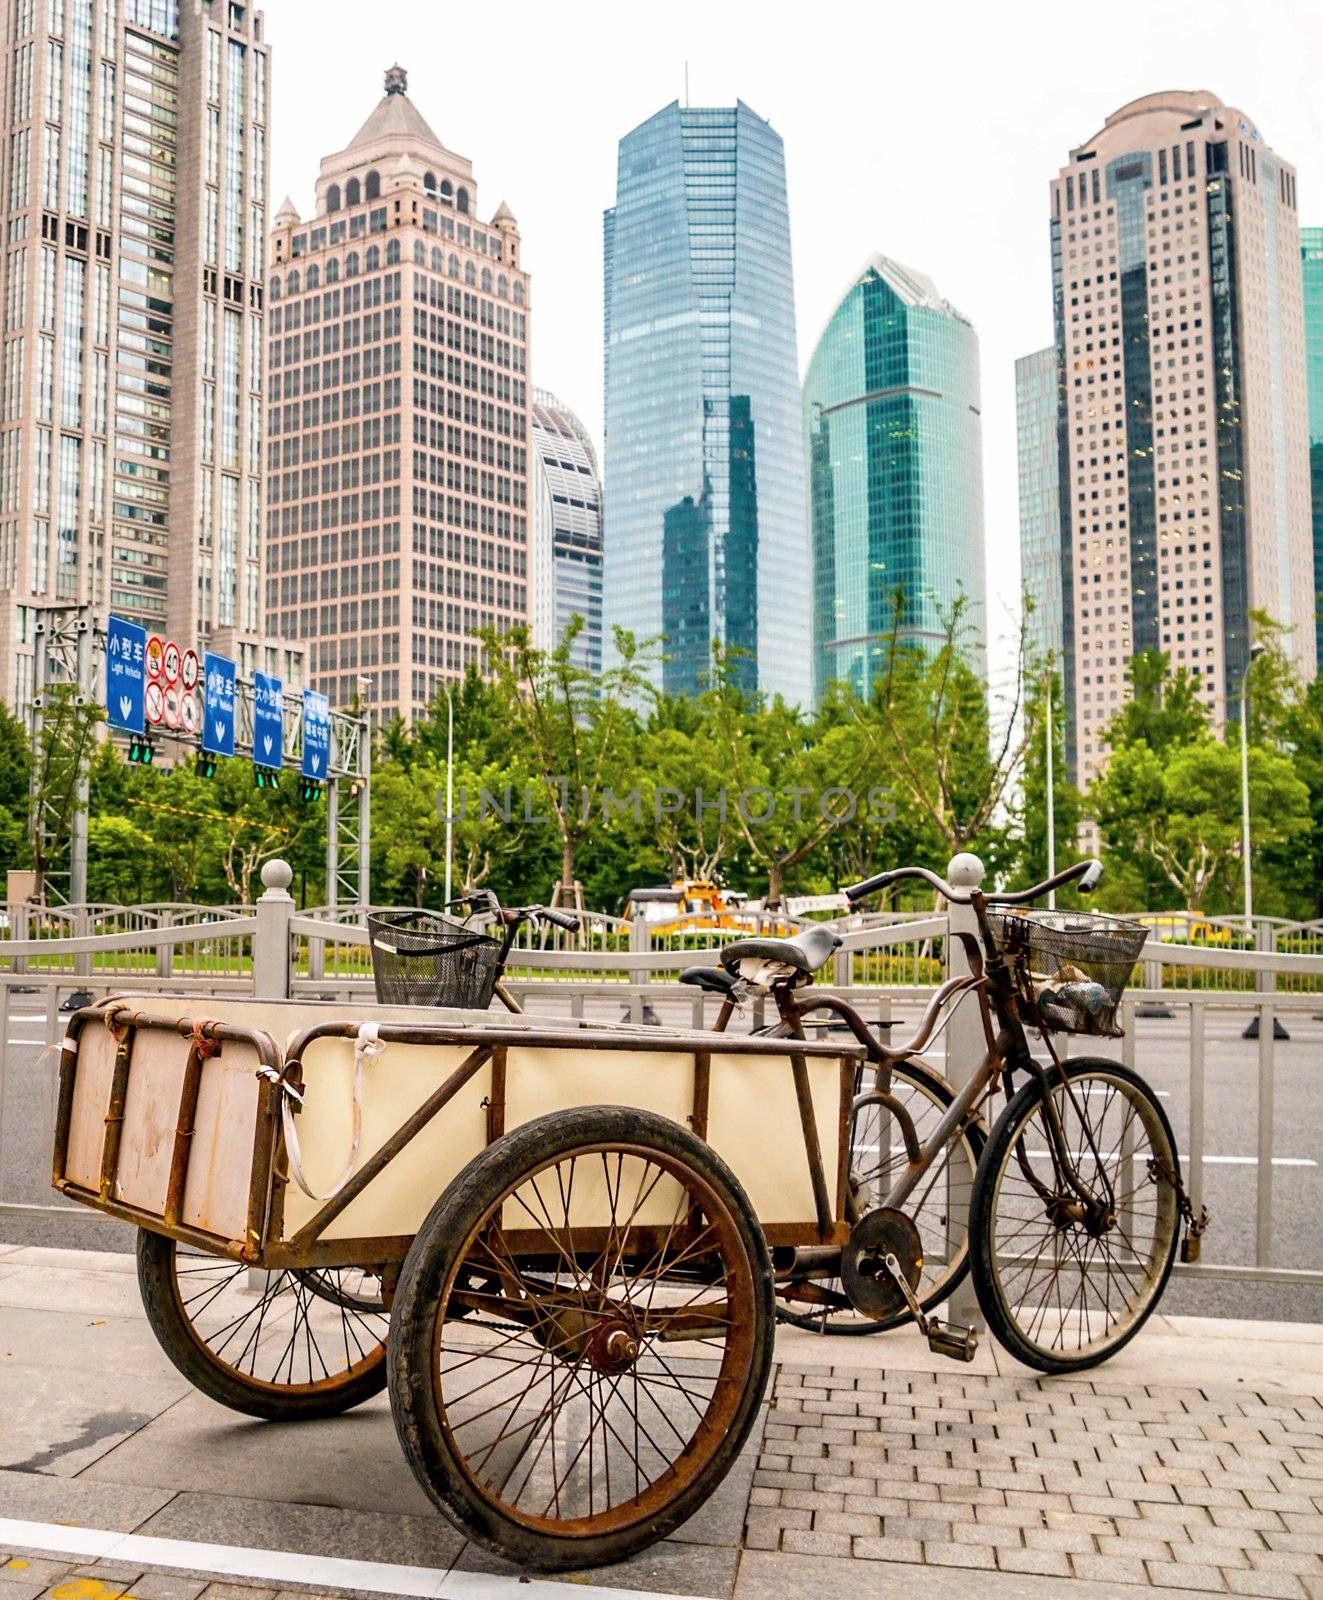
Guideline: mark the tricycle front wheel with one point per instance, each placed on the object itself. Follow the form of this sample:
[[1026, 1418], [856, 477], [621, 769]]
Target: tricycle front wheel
[[581, 1337], [285, 1346]]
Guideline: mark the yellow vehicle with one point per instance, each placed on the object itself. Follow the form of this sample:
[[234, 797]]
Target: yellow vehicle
[[1173, 928], [687, 903]]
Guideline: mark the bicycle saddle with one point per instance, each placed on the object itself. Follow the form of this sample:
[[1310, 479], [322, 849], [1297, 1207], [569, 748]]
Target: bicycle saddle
[[806, 952]]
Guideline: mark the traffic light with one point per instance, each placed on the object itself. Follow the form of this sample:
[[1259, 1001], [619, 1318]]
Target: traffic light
[[310, 789], [205, 767], [141, 751], [266, 778]]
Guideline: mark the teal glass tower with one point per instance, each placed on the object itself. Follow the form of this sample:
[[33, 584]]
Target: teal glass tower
[[1311, 261], [704, 528], [1037, 384], [894, 446]]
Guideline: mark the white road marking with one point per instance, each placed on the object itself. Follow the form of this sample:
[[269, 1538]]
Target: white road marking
[[289, 1566], [1209, 1161]]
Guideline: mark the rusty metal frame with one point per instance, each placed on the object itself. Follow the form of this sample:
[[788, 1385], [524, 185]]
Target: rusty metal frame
[[263, 1244]]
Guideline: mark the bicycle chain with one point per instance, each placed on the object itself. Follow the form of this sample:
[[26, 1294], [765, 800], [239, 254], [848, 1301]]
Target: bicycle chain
[[1194, 1228]]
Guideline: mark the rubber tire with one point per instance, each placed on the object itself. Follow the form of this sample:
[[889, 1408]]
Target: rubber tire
[[426, 1268], [175, 1334], [1006, 1130], [976, 1133]]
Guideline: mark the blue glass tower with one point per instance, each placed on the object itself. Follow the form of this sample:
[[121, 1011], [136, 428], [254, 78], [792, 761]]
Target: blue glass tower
[[894, 441], [1037, 382], [705, 532]]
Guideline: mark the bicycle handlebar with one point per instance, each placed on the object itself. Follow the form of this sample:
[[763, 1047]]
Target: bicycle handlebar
[[485, 900], [1088, 872]]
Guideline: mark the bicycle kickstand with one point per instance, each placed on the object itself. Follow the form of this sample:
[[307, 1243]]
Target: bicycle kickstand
[[944, 1338]]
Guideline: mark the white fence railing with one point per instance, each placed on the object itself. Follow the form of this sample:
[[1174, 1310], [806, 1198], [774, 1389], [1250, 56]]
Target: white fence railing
[[886, 963]]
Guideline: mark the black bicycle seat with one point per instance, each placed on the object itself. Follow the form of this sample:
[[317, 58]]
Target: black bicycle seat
[[806, 952], [710, 978]]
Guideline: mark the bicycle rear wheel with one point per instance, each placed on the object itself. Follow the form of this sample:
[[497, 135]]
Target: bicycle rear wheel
[[1062, 1285], [877, 1158]]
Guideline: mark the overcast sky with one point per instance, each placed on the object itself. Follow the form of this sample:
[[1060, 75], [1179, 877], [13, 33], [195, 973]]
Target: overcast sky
[[926, 131]]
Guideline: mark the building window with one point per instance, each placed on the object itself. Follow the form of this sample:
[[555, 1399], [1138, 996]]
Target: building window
[[373, 185], [447, 192], [462, 200], [333, 197], [351, 264], [353, 192], [292, 282]]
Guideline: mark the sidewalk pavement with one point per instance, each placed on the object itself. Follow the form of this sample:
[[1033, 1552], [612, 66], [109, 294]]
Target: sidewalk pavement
[[1192, 1463]]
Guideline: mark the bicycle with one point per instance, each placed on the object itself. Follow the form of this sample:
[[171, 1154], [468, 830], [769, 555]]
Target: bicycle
[[421, 958], [1068, 1210]]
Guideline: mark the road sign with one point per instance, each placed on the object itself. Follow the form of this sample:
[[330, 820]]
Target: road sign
[[316, 735], [188, 669], [218, 705], [126, 644], [155, 653], [154, 700], [268, 721], [170, 662], [172, 705], [188, 710]]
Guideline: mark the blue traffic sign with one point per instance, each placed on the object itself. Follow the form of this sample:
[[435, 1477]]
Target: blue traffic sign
[[268, 721], [316, 735], [218, 705], [126, 644]]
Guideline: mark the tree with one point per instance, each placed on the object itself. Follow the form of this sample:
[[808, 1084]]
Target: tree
[[1180, 812], [1031, 811], [930, 726], [577, 727], [64, 751], [15, 776]]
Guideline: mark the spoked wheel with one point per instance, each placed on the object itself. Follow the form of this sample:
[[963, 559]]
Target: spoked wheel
[[1063, 1282], [286, 1346], [877, 1158], [581, 1337]]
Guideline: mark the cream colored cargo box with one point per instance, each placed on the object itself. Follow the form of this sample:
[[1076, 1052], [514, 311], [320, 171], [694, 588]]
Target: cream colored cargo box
[[187, 1124]]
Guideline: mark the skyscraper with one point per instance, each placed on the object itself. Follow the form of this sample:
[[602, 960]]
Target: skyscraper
[[566, 567], [400, 479], [133, 159], [704, 532], [895, 459], [1182, 430], [1036, 401], [1311, 256]]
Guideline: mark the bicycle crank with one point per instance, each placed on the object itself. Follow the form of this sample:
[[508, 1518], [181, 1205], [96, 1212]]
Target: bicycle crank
[[885, 1245]]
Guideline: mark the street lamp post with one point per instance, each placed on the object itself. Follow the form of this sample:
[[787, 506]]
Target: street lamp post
[[1255, 652], [1051, 803], [450, 784]]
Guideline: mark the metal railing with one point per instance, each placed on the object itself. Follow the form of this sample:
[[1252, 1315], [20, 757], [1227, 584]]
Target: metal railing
[[887, 962]]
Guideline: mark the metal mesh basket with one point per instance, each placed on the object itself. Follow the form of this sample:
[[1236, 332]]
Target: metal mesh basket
[[1072, 969], [420, 959]]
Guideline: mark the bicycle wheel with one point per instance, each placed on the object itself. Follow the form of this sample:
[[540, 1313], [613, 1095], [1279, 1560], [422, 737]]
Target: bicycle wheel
[[581, 1337], [285, 1346], [877, 1158], [1063, 1285]]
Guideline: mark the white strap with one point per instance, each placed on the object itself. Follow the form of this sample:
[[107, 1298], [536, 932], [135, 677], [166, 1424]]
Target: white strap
[[368, 1043]]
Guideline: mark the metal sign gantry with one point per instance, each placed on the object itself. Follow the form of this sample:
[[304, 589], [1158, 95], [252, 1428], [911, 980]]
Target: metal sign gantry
[[69, 649]]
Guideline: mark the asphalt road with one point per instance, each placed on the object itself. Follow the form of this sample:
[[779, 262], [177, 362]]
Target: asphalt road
[[1231, 1170]]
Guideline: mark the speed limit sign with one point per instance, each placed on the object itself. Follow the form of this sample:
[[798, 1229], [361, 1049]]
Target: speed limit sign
[[170, 662], [188, 669]]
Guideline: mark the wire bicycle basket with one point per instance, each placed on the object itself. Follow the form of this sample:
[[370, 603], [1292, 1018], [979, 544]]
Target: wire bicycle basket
[[421, 959], [1071, 968]]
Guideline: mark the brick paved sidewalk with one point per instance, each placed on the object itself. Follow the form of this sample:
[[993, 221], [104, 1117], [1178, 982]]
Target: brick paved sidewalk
[[1209, 1489]]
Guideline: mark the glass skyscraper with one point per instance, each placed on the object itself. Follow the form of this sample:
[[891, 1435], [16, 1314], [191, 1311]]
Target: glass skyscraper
[[894, 446], [1311, 257], [704, 535], [565, 567], [1036, 401]]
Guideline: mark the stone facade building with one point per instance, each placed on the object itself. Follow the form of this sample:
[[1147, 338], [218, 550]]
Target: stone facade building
[[399, 472]]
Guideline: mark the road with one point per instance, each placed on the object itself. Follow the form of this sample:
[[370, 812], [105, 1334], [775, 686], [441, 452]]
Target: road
[[1162, 1056]]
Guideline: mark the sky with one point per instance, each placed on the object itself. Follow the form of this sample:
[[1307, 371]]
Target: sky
[[928, 132]]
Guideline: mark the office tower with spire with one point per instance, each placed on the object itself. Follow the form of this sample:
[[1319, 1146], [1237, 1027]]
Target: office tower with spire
[[1182, 428], [705, 531], [893, 438], [566, 566], [399, 481], [133, 165]]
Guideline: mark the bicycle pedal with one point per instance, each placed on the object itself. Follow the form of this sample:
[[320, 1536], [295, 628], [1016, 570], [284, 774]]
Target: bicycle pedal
[[951, 1339]]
